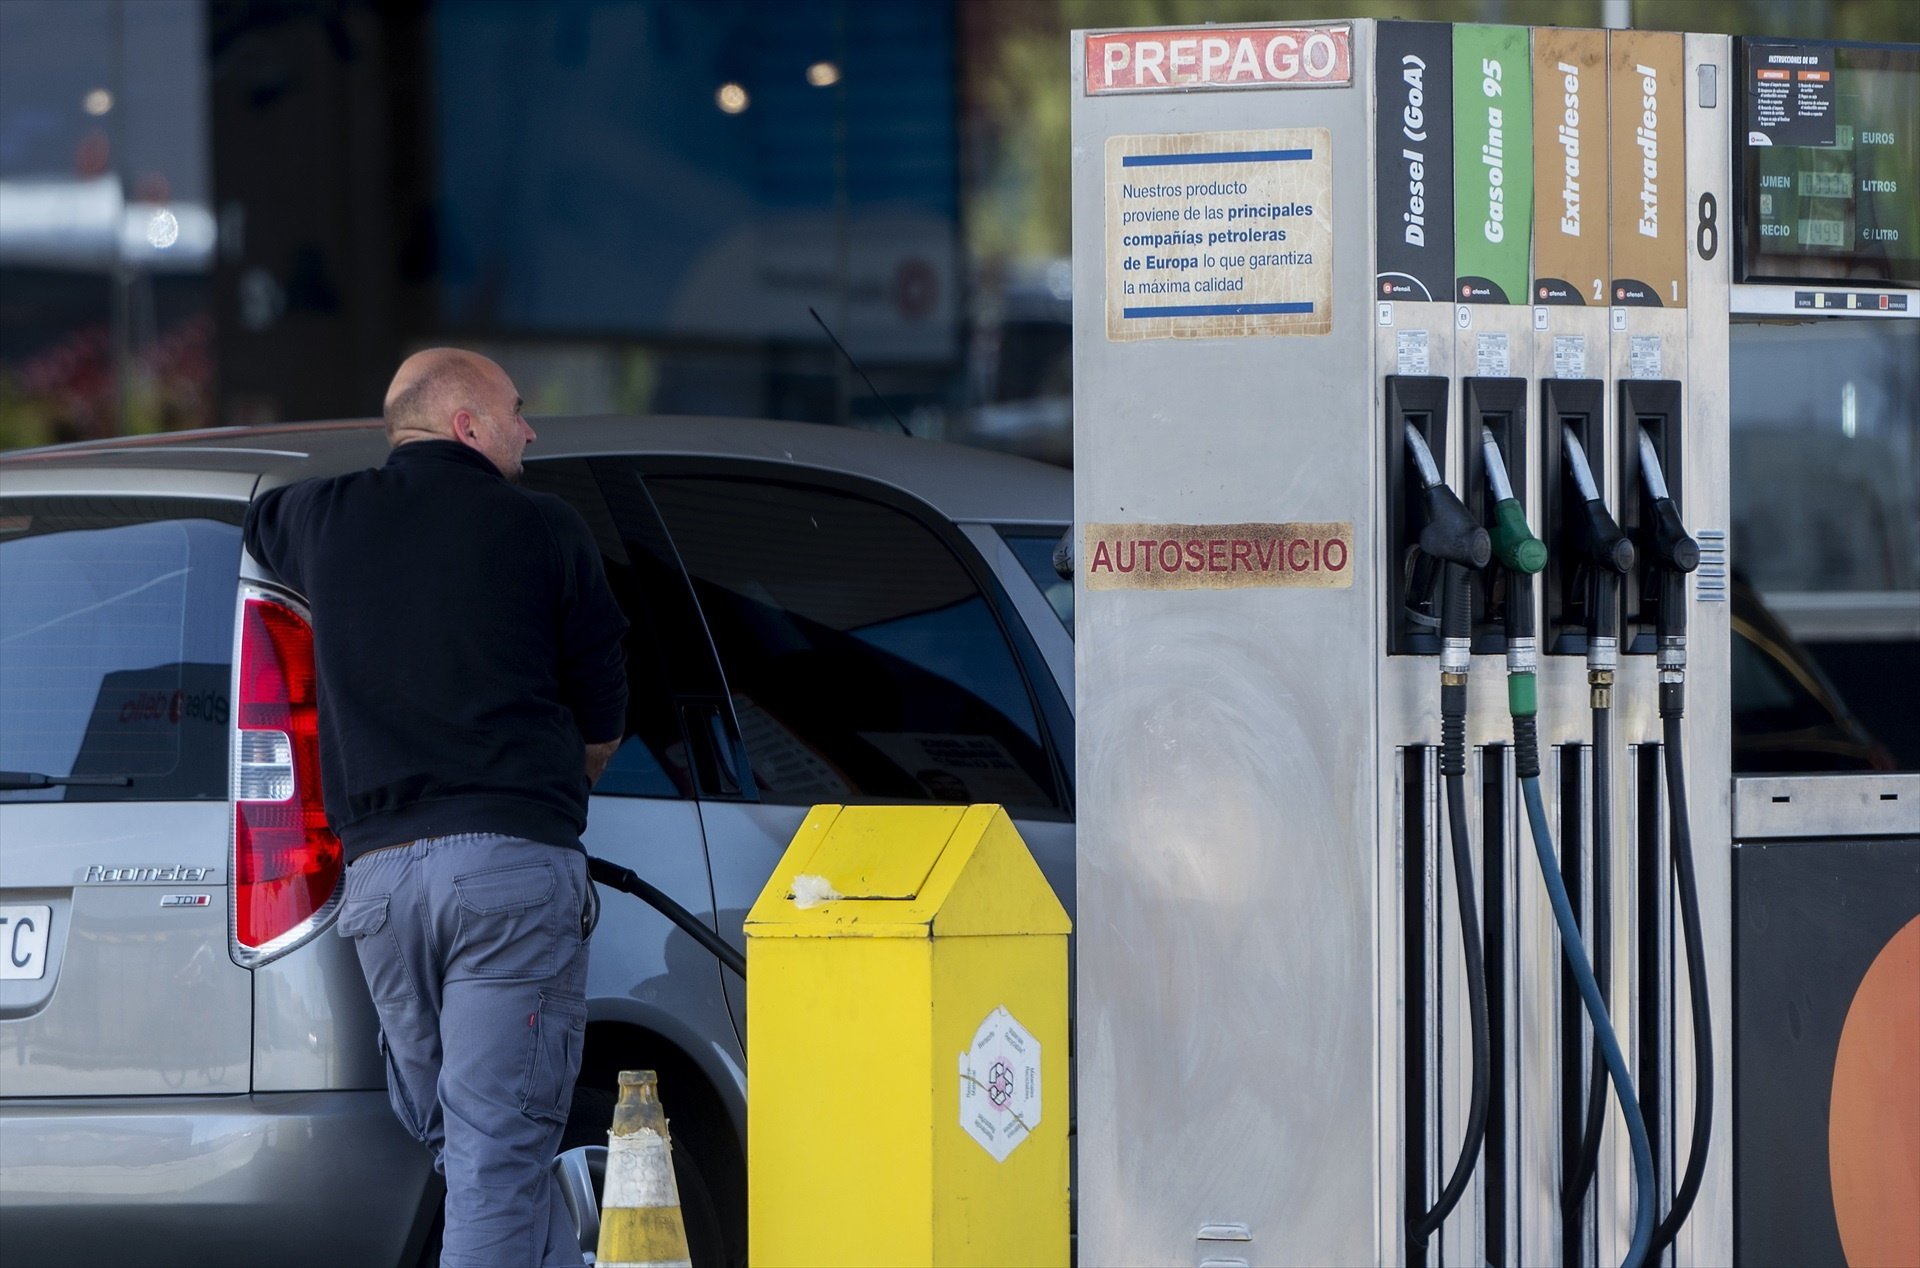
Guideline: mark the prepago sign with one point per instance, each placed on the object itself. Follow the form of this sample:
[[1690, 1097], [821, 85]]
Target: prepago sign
[[1219, 57]]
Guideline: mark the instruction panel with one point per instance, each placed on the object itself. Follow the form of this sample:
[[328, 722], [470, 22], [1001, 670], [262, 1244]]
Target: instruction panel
[[1218, 234]]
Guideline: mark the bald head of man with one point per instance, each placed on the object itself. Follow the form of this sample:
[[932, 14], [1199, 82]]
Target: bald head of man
[[453, 394]]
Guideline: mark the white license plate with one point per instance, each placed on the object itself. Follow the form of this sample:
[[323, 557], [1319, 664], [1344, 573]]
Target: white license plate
[[23, 941]]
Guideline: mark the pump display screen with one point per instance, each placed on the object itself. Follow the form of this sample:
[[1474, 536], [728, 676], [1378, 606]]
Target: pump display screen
[[1829, 162]]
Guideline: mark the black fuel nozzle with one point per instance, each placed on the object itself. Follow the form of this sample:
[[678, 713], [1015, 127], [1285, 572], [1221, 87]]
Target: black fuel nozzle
[[1450, 533], [1452, 536], [1675, 554], [1674, 549], [1599, 537], [1609, 554]]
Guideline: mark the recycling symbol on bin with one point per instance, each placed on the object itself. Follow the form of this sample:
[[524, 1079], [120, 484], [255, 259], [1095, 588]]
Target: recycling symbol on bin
[[1000, 1084]]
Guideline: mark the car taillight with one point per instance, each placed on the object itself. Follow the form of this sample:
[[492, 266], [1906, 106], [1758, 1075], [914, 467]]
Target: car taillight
[[286, 861]]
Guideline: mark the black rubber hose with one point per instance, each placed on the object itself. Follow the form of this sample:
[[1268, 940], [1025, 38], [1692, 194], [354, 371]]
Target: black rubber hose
[[627, 881], [1420, 1227], [1681, 833], [1602, 931]]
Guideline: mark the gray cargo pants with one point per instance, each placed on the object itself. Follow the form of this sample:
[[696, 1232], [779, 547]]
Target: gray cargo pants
[[475, 950]]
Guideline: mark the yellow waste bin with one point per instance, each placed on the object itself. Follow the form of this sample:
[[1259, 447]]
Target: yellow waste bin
[[907, 1045]]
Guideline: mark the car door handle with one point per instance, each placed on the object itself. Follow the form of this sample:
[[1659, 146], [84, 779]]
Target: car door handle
[[716, 764]]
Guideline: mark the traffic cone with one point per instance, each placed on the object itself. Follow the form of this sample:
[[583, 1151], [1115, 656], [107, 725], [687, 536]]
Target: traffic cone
[[640, 1223]]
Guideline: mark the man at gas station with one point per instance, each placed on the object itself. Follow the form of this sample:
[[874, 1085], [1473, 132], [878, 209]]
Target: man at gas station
[[472, 687]]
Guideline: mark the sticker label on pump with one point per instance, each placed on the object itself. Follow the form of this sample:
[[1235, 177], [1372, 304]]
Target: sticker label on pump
[[1647, 151], [1569, 356], [1411, 348], [1570, 167], [1413, 198], [1492, 355], [1643, 357], [1219, 234], [1218, 556], [1492, 163]]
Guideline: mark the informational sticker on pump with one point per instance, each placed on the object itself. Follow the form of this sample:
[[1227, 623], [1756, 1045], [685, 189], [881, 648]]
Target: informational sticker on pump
[[1000, 1084], [1218, 556], [1219, 234]]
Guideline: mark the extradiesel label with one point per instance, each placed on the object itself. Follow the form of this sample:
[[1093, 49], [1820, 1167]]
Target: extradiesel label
[[1316, 555], [1213, 234]]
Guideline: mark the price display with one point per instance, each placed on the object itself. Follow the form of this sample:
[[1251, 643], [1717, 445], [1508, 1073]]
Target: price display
[[1829, 170]]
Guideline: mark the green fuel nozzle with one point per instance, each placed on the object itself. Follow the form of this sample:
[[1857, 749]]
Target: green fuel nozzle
[[1514, 544]]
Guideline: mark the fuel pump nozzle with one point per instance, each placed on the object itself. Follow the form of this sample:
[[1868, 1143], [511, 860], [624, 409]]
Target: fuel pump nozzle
[[1514, 544], [1675, 554], [1522, 555], [1451, 535], [1610, 557]]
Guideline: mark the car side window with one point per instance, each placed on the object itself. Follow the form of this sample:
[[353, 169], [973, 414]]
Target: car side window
[[652, 759], [863, 659]]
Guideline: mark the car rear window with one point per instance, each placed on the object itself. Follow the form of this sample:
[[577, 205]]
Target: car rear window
[[116, 645]]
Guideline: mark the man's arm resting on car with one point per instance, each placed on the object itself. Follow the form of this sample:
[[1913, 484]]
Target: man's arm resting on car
[[598, 755]]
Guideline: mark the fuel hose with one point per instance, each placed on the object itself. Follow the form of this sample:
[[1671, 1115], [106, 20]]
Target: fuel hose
[[1522, 555], [1455, 659], [1616, 1063], [1675, 554], [1451, 535], [1609, 555], [627, 881]]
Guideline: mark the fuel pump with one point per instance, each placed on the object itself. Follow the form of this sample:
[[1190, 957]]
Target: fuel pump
[[1308, 290]]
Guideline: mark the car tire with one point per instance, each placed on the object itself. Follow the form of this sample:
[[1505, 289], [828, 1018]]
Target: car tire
[[587, 1124]]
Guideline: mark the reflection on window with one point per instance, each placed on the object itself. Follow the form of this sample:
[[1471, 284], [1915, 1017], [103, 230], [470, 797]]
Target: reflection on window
[[652, 758], [862, 658], [1034, 549], [1826, 455], [116, 637]]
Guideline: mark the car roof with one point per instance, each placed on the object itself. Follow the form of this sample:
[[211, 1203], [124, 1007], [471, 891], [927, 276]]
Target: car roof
[[962, 483]]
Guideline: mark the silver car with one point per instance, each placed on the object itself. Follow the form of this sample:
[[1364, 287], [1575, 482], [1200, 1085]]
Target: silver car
[[188, 1067]]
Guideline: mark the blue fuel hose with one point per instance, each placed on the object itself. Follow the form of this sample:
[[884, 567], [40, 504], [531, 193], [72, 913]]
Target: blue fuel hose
[[1576, 953]]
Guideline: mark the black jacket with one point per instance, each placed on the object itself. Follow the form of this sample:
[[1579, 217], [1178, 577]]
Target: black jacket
[[466, 642]]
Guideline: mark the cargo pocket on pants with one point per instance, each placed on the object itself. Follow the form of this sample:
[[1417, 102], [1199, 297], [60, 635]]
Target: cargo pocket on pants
[[559, 1034], [403, 1108], [365, 921]]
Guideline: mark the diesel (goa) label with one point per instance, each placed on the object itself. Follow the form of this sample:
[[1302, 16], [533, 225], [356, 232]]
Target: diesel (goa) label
[[1215, 234], [1413, 198]]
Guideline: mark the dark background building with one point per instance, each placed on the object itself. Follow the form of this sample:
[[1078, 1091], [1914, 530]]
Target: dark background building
[[237, 211]]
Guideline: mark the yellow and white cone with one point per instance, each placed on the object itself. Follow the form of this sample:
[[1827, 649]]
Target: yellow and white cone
[[640, 1223]]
